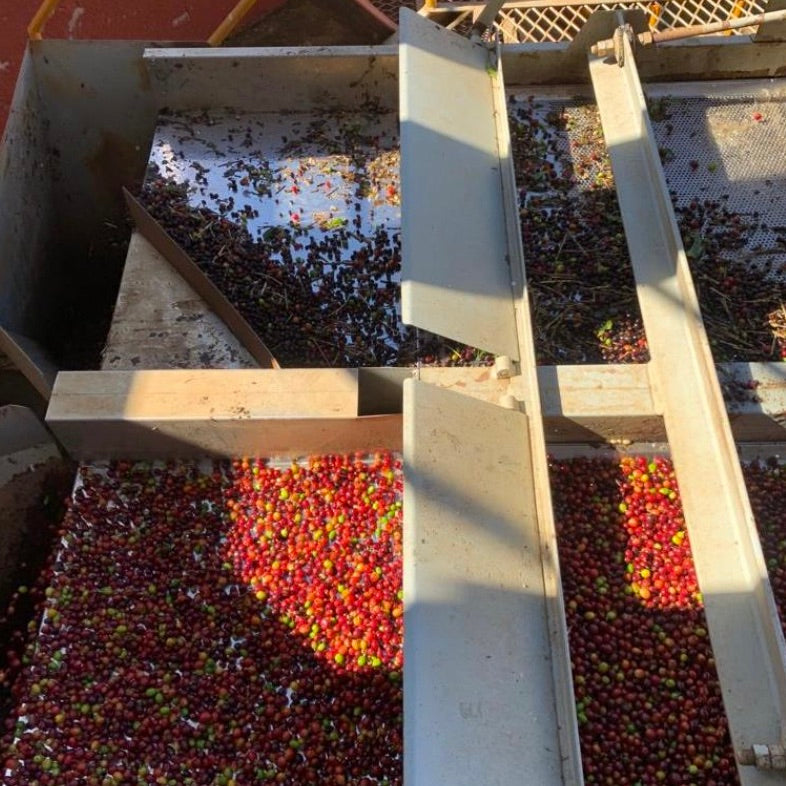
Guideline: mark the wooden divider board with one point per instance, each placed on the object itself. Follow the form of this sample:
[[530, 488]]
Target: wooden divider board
[[91, 409], [159, 320], [174, 413]]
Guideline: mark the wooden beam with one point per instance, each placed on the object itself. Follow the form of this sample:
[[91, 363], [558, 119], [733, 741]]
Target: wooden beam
[[150, 439], [96, 413], [160, 239], [205, 394], [179, 414]]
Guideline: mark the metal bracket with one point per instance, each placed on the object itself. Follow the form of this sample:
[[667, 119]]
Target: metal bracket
[[615, 46], [485, 20], [503, 367]]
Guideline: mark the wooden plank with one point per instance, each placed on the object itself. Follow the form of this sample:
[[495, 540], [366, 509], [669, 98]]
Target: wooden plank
[[580, 403], [174, 413], [479, 702], [148, 438], [210, 395], [160, 322], [456, 279], [189, 270]]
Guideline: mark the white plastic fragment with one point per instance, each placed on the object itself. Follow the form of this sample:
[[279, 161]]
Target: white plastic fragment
[[761, 755]]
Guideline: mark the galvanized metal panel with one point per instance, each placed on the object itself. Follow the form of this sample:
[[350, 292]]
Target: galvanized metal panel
[[31, 359], [27, 217], [479, 703], [456, 278], [101, 115], [20, 429], [273, 79]]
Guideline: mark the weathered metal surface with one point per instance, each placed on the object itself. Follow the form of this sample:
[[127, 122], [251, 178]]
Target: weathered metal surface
[[717, 58], [101, 115], [31, 359], [456, 276], [27, 218], [744, 628], [21, 429], [773, 31], [276, 79], [529, 399], [479, 704]]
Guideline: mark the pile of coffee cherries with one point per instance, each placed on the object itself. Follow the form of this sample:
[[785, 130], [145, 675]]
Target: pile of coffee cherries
[[648, 700], [221, 625], [580, 280]]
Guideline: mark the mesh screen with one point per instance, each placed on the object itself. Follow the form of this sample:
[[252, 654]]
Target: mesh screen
[[562, 20], [730, 150]]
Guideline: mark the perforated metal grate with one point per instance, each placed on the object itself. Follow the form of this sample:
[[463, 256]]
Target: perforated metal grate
[[561, 21], [726, 150], [727, 177]]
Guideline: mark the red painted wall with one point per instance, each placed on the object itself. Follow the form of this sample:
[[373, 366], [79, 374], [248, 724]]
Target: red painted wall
[[164, 20]]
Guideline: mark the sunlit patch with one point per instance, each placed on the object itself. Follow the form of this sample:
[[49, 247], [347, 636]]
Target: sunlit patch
[[320, 547], [648, 701]]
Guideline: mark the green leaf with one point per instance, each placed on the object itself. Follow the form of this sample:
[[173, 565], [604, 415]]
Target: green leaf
[[696, 250]]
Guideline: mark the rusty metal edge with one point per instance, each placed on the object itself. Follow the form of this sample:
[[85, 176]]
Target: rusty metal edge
[[158, 237]]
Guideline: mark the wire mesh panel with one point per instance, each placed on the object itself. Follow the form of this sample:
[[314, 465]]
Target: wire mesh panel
[[561, 21]]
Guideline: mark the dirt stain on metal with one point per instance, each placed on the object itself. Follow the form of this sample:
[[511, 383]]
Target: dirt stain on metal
[[116, 162]]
